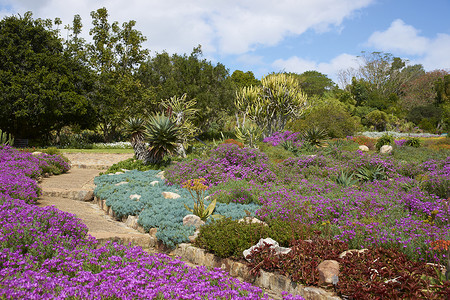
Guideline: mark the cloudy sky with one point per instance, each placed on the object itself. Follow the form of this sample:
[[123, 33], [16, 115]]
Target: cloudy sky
[[269, 36]]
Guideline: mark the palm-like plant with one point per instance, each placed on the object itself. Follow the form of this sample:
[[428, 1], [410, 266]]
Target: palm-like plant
[[135, 127], [314, 136], [162, 134]]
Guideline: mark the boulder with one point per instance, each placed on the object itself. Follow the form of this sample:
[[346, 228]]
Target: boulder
[[160, 175], [121, 183], [153, 183], [118, 173], [193, 220], [132, 222], [363, 148], [192, 238], [36, 153], [273, 244], [386, 149], [89, 196], [170, 195], [328, 271], [135, 196]]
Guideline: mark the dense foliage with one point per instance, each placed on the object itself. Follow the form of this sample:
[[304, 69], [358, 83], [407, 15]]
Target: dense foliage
[[47, 254]]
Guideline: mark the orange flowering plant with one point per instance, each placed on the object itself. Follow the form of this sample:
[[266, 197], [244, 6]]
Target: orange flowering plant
[[197, 188], [441, 248]]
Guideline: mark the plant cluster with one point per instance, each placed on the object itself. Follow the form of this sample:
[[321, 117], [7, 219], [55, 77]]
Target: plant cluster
[[229, 238], [47, 254], [226, 162], [198, 187], [153, 210]]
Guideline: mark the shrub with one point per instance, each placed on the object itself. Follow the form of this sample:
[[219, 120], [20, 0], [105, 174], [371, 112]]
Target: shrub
[[235, 191], [134, 164], [364, 140], [413, 142], [314, 136], [229, 238], [385, 139]]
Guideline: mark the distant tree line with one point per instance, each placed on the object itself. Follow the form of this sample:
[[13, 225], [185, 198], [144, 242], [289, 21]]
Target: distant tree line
[[48, 83]]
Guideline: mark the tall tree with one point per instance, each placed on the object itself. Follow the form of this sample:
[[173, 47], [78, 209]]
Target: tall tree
[[42, 87], [314, 83], [210, 85], [115, 54], [241, 79]]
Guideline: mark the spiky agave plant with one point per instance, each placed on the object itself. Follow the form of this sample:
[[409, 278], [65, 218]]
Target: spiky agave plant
[[314, 136], [135, 127], [162, 134]]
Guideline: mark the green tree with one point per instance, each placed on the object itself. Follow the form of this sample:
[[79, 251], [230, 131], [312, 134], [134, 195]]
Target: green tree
[[242, 79], [271, 105], [43, 88], [115, 55], [198, 78], [314, 83]]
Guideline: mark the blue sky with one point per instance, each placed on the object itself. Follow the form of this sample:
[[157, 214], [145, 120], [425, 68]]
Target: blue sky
[[268, 36]]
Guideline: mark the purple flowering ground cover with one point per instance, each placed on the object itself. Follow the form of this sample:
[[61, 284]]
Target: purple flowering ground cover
[[47, 254], [406, 208]]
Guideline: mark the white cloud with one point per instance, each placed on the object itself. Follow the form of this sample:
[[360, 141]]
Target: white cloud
[[331, 68], [401, 38], [222, 26]]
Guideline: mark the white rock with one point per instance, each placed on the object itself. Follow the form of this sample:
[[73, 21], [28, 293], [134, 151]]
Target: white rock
[[160, 175], [251, 220], [135, 196], [153, 183], [193, 220], [386, 149], [170, 195], [274, 244], [118, 173], [36, 153], [363, 148], [121, 183]]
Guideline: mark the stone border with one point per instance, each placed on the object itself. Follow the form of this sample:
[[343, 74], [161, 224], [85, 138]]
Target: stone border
[[187, 252]]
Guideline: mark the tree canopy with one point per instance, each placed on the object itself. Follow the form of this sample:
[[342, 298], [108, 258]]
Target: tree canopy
[[42, 88]]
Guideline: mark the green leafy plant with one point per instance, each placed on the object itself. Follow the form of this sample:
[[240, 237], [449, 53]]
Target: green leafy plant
[[198, 187], [6, 138], [385, 139], [371, 173], [413, 142], [135, 127], [314, 136], [345, 179], [290, 146], [162, 135], [248, 133]]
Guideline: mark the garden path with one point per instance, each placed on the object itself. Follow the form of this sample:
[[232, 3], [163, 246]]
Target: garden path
[[67, 191]]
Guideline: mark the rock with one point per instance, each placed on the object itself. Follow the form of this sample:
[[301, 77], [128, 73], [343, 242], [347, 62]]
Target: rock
[[120, 183], [386, 149], [135, 196], [327, 270], [274, 244], [118, 173], [363, 148], [192, 238], [89, 196], [352, 251], [170, 195], [153, 183], [250, 220], [160, 175], [193, 220], [132, 222], [36, 153]]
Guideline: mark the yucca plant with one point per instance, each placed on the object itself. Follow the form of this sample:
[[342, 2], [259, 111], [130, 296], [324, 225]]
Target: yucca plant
[[290, 146], [162, 134], [314, 136], [135, 127], [345, 179], [371, 173]]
